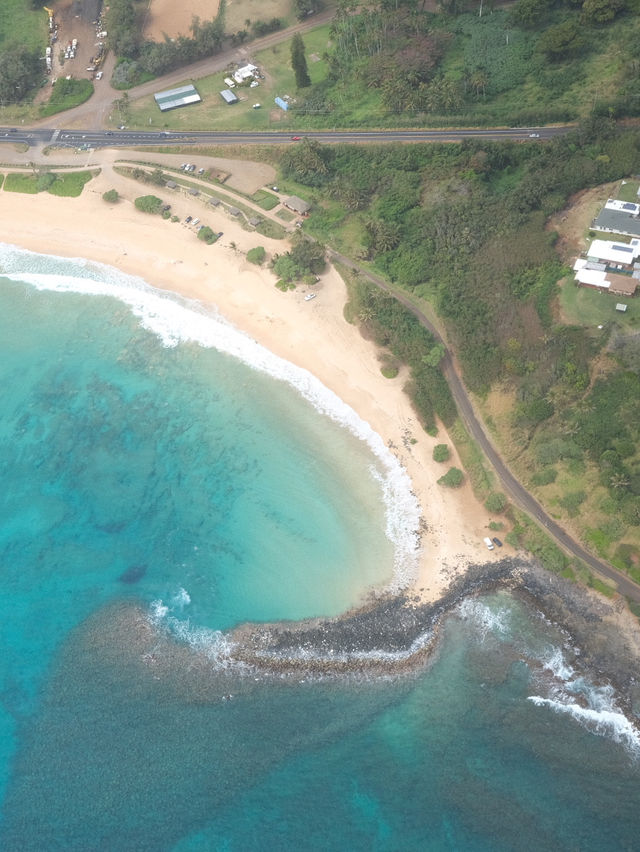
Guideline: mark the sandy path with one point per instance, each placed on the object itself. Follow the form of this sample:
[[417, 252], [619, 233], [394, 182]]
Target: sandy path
[[313, 335]]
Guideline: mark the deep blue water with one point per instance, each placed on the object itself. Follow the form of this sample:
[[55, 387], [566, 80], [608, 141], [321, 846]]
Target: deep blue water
[[179, 482]]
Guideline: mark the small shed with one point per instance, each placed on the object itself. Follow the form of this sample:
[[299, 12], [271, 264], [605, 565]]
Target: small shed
[[228, 96], [214, 202], [234, 211], [297, 205], [171, 184], [622, 308], [194, 191], [255, 221]]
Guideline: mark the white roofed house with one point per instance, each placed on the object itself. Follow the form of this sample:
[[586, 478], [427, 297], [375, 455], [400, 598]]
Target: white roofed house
[[596, 276], [621, 256], [247, 72]]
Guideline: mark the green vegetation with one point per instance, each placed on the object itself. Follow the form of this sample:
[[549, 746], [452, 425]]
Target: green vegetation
[[70, 183], [266, 200], [67, 94], [23, 36], [21, 183], [207, 235], [453, 478], [63, 184], [149, 204], [305, 260], [299, 62], [496, 503], [441, 453], [153, 58], [256, 255], [111, 196]]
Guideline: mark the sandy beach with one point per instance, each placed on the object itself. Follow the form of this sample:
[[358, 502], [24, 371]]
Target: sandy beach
[[311, 334]]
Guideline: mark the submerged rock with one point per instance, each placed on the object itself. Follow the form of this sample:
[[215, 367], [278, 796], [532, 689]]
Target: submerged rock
[[133, 574]]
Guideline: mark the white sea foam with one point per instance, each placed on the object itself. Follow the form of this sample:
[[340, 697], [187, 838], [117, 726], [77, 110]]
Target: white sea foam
[[604, 721], [555, 663], [157, 611], [175, 320], [181, 599], [485, 619]]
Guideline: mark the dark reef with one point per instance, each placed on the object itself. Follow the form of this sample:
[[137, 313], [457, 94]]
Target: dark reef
[[393, 634]]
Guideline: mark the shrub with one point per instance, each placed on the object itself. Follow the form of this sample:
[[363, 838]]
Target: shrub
[[256, 255], [453, 478], [45, 181], [441, 453], [207, 235], [388, 371], [572, 502], [544, 477], [111, 196], [149, 204], [496, 503]]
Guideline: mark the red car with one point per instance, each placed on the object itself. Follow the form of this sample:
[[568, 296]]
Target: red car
[[295, 138]]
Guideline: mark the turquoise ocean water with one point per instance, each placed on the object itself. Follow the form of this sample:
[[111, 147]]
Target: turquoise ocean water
[[154, 458]]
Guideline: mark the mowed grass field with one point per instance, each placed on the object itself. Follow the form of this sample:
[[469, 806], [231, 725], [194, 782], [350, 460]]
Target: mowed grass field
[[214, 114], [20, 24]]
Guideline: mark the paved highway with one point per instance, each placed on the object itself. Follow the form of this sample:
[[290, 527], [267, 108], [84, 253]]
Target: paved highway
[[135, 138]]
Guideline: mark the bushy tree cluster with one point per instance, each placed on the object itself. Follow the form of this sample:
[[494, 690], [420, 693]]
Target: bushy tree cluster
[[20, 71]]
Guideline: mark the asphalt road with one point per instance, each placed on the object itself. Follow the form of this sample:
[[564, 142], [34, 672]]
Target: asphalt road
[[135, 138], [517, 493]]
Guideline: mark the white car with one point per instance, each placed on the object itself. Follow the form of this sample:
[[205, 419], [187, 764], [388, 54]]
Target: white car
[[310, 296]]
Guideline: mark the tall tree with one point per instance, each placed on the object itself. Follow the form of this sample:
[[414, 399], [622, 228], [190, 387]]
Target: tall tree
[[299, 62]]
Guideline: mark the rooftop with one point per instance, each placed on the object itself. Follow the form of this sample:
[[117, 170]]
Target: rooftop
[[173, 98], [618, 221], [623, 253], [297, 204]]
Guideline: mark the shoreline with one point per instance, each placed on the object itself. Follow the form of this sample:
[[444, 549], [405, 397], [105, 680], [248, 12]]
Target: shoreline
[[312, 335]]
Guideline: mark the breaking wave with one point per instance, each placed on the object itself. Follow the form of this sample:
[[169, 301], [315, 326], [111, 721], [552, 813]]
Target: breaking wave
[[176, 320]]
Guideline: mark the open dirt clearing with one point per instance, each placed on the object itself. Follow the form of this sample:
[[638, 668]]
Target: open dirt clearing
[[166, 17]]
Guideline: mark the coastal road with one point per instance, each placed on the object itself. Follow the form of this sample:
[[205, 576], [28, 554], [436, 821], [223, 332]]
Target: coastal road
[[518, 494], [69, 138]]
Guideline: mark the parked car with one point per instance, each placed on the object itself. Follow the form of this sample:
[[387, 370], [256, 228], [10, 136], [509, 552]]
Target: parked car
[[219, 234], [195, 221], [188, 219], [497, 542], [200, 171]]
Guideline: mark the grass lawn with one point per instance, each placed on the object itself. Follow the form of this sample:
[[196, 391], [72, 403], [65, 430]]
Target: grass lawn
[[266, 200], [75, 92], [214, 114], [628, 191], [20, 23], [69, 185], [591, 308], [21, 183]]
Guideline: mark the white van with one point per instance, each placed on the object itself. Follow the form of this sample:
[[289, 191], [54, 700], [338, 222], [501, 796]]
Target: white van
[[489, 543]]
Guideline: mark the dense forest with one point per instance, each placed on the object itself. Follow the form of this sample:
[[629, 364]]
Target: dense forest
[[529, 62], [466, 227]]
